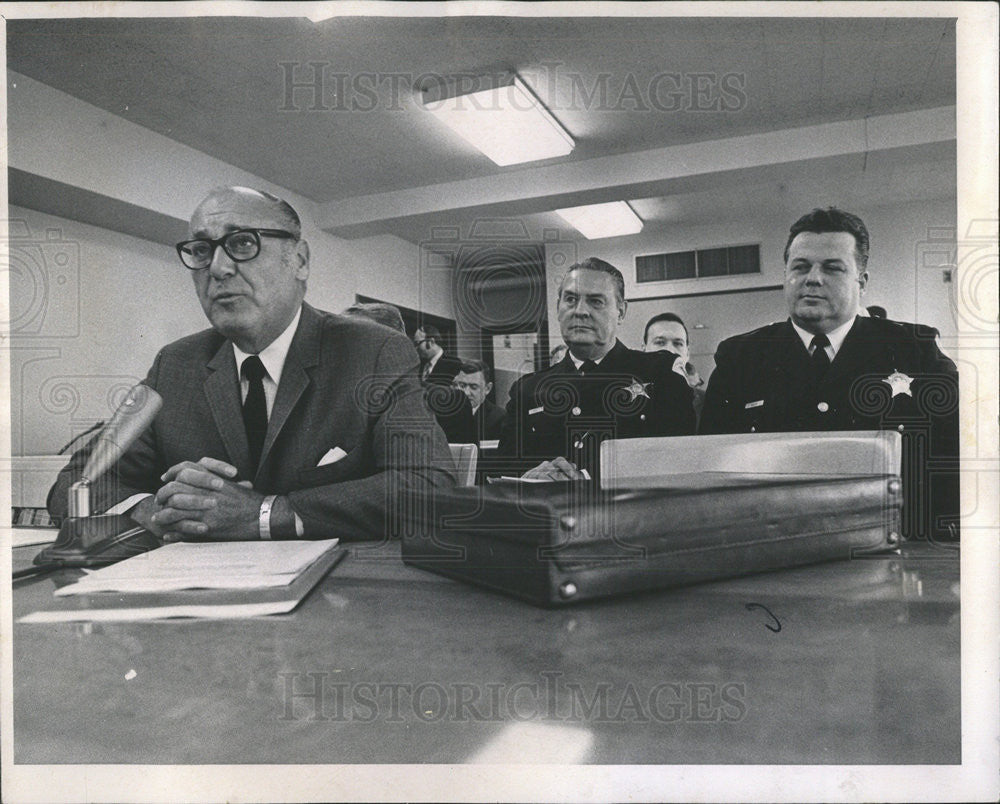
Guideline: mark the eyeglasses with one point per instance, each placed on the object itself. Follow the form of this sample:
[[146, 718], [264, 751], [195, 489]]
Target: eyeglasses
[[241, 245]]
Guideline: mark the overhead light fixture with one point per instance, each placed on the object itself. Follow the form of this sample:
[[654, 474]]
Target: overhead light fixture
[[500, 116], [602, 220]]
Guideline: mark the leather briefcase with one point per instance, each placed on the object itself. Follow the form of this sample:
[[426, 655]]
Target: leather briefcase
[[554, 544]]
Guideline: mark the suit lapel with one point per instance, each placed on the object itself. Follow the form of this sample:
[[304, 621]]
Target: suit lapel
[[303, 354], [790, 352], [222, 390], [853, 352]]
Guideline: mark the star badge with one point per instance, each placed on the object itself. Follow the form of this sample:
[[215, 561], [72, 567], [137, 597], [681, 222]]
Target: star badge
[[637, 389], [899, 383]]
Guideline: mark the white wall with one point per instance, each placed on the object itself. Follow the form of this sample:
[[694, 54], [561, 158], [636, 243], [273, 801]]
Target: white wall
[[89, 310]]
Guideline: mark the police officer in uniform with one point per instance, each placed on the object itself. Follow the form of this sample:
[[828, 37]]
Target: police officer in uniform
[[557, 418], [827, 368]]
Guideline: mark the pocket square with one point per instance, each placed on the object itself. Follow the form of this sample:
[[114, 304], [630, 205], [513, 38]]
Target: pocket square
[[332, 456]]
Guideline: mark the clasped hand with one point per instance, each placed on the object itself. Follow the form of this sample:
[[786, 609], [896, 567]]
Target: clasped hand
[[556, 469], [203, 501]]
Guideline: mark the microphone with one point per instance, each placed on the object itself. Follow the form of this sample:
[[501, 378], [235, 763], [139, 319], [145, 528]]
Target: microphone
[[133, 416], [88, 541]]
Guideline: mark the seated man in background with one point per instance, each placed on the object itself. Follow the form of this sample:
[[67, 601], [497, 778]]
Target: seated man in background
[[829, 368], [452, 410], [436, 368], [666, 331], [557, 418], [475, 381], [281, 421]]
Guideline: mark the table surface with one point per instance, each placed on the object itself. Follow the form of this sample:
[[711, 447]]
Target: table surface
[[846, 662]]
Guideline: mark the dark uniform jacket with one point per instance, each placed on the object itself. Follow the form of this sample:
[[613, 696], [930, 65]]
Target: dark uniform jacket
[[453, 412], [489, 421], [559, 412], [450, 406], [886, 375]]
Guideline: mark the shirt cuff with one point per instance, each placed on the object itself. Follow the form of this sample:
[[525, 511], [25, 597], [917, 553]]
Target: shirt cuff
[[300, 528], [127, 504]]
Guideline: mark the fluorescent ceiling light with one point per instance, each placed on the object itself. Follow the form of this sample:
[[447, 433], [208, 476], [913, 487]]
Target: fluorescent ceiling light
[[602, 220], [500, 116]]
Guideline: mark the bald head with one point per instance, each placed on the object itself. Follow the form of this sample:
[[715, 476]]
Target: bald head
[[275, 208]]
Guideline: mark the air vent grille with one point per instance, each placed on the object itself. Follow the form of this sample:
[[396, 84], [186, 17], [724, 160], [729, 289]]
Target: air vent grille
[[700, 264]]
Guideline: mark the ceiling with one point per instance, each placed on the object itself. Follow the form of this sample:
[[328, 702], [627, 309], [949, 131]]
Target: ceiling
[[620, 86]]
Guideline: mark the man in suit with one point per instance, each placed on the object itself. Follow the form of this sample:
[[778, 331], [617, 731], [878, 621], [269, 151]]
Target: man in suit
[[474, 379], [666, 331], [557, 418], [281, 421], [437, 368], [829, 368]]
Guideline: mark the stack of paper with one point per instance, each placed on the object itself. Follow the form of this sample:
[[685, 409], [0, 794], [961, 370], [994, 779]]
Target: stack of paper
[[198, 579]]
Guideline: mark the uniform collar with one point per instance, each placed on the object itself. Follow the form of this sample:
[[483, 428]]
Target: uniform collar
[[836, 336], [273, 356], [577, 363]]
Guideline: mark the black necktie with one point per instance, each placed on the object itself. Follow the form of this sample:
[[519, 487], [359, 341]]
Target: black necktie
[[820, 359], [587, 366], [255, 408]]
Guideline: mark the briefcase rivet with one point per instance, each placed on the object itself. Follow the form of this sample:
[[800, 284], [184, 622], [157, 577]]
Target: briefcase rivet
[[894, 486], [901, 428], [567, 590], [822, 407], [568, 522], [892, 538]]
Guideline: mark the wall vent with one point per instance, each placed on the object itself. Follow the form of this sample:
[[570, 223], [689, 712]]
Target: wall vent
[[703, 263]]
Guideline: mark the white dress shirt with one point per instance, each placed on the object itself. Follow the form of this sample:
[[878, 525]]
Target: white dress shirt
[[429, 365], [836, 338], [273, 357], [579, 363]]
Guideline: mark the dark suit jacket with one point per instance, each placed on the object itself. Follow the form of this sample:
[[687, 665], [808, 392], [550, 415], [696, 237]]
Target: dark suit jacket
[[346, 383], [558, 412], [453, 412], [763, 383], [489, 421], [444, 371]]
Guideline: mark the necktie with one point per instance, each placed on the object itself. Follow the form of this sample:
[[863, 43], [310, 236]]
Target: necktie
[[587, 366], [820, 359], [255, 408]]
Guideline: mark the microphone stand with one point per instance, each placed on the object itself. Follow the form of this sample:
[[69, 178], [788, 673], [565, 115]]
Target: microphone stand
[[85, 540]]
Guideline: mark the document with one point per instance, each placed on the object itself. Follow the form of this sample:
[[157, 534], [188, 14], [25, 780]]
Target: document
[[508, 479], [204, 565], [215, 580], [25, 537]]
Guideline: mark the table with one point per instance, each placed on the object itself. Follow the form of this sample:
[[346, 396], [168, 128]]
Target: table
[[847, 662]]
